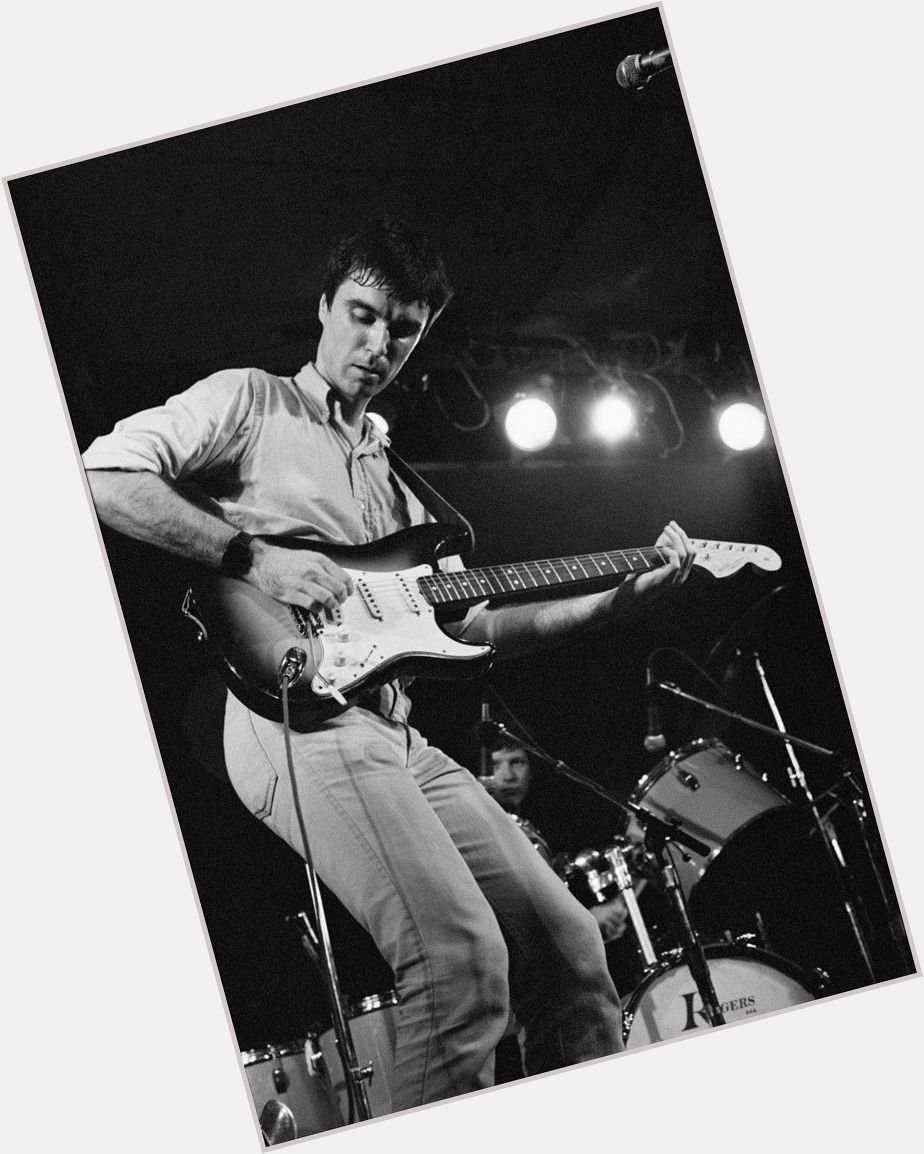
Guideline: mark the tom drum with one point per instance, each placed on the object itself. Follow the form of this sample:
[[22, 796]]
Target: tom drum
[[291, 1090], [713, 792]]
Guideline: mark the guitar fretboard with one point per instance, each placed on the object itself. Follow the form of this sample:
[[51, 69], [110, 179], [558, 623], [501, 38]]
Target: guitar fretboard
[[526, 576]]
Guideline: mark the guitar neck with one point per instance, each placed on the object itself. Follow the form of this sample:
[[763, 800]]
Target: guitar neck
[[526, 577]]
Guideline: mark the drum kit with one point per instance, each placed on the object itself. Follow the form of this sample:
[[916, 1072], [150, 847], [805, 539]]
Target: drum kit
[[753, 897], [717, 797], [689, 824]]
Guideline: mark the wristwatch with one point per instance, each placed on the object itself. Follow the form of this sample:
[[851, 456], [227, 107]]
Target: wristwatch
[[238, 556]]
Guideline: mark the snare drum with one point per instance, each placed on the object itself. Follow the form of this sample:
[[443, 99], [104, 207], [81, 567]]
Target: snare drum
[[713, 792], [373, 1022], [291, 1090], [748, 981]]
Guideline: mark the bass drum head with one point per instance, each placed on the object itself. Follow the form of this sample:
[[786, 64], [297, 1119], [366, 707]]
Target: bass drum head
[[748, 981]]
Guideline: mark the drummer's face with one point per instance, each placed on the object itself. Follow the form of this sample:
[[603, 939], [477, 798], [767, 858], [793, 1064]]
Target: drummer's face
[[511, 775]]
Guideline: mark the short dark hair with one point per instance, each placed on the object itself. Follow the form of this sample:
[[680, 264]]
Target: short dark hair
[[386, 253], [508, 743]]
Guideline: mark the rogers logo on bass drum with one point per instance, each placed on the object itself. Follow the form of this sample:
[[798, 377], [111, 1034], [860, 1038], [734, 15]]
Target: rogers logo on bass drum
[[746, 1005]]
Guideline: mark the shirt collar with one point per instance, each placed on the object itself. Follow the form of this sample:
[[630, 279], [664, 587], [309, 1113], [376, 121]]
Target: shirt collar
[[317, 394]]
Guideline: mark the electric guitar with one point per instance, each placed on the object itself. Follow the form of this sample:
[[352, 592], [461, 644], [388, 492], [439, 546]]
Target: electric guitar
[[391, 624]]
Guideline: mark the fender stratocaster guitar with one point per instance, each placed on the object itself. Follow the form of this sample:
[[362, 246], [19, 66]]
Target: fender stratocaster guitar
[[390, 625]]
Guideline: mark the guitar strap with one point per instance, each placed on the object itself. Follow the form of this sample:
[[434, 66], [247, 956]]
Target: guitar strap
[[435, 503]]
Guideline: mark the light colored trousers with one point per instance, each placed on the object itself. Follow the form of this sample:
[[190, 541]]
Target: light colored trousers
[[469, 917]]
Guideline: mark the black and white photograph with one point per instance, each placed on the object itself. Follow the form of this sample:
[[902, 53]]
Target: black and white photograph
[[480, 665]]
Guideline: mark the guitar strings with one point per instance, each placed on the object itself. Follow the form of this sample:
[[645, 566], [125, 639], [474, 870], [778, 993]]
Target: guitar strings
[[511, 578], [559, 567]]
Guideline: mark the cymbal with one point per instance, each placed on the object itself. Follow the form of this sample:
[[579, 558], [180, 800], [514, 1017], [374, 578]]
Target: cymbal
[[747, 630]]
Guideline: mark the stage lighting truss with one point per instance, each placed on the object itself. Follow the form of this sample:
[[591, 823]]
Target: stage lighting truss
[[549, 412], [559, 399]]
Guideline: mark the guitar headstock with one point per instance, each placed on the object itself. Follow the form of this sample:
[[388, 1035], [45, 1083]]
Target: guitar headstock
[[722, 558]]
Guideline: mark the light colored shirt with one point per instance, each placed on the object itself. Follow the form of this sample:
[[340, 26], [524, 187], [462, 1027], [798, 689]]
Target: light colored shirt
[[271, 455]]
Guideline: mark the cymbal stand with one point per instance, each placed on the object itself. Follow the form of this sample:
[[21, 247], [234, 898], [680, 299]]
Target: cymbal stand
[[316, 934], [873, 851], [657, 834], [860, 813], [826, 830], [849, 898]]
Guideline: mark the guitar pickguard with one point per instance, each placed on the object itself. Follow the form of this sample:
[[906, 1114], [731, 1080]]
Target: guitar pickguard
[[385, 621]]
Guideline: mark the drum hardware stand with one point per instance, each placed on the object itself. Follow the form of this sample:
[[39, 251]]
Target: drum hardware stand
[[623, 879], [485, 762], [316, 936], [858, 808], [657, 834], [849, 897]]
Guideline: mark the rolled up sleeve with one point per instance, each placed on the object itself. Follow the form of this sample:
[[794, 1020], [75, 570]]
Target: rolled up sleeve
[[196, 430]]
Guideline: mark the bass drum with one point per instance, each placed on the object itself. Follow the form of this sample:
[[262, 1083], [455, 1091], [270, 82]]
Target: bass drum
[[291, 1091], [373, 1023], [748, 981], [714, 793]]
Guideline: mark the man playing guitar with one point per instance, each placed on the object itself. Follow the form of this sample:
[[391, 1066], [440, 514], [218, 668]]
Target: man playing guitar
[[468, 916]]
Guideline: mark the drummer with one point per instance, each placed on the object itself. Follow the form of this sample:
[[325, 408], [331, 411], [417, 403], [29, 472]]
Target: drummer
[[512, 779], [510, 784]]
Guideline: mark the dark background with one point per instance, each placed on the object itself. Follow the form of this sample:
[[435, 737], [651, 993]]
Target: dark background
[[580, 240]]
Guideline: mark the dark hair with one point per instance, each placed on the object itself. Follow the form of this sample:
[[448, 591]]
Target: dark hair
[[387, 254], [512, 743]]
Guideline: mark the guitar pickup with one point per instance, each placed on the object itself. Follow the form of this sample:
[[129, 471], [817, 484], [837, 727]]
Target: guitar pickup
[[369, 599], [412, 600]]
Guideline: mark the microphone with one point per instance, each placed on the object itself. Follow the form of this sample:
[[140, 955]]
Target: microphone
[[654, 738], [635, 71]]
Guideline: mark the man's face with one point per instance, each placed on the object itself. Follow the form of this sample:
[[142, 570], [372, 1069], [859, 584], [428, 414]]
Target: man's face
[[511, 776], [367, 336]]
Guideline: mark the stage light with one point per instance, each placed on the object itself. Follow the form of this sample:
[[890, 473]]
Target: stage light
[[612, 417], [530, 423], [742, 426]]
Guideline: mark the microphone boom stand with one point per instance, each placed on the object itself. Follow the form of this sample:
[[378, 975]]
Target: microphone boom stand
[[315, 931]]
